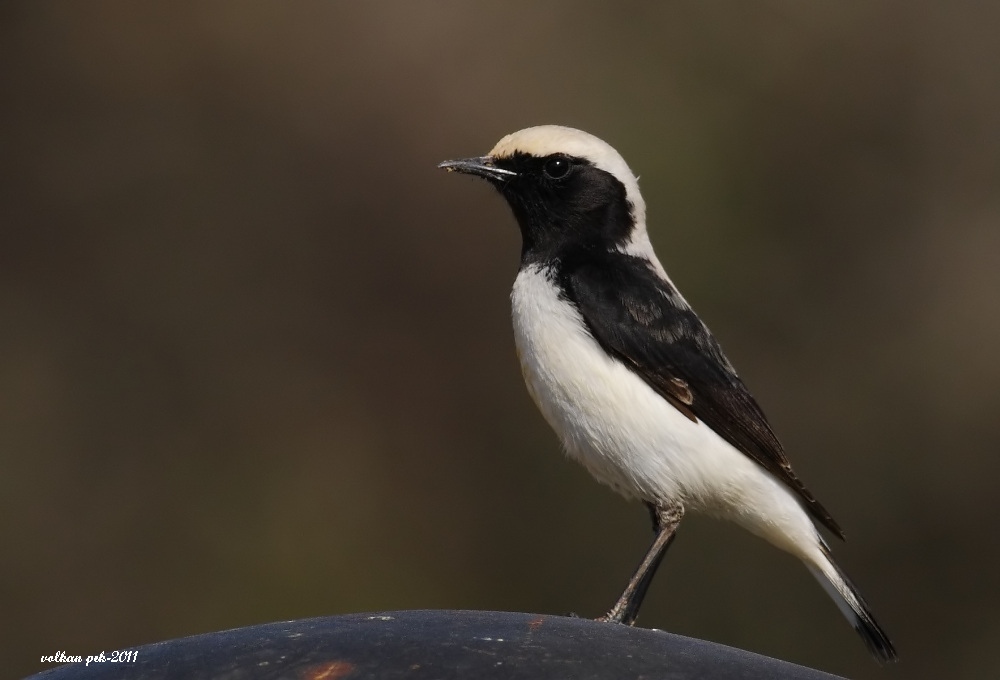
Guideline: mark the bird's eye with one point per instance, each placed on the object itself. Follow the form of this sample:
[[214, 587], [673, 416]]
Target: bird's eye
[[556, 167]]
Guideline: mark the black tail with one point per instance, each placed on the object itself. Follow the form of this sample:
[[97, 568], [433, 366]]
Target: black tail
[[854, 607]]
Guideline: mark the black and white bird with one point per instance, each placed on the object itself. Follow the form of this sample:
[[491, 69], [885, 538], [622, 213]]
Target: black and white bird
[[634, 384]]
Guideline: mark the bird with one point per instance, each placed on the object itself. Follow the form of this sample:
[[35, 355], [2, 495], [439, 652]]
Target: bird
[[636, 387]]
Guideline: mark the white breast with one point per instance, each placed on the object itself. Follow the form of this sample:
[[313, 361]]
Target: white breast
[[628, 436]]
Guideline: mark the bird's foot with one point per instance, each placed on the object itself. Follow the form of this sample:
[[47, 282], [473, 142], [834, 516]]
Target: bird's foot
[[616, 615]]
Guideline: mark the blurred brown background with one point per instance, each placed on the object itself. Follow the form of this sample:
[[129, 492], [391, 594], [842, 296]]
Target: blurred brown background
[[255, 353]]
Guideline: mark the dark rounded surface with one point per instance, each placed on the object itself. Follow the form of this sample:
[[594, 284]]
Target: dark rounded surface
[[435, 645]]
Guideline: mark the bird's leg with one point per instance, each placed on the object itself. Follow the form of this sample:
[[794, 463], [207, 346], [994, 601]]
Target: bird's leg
[[665, 521]]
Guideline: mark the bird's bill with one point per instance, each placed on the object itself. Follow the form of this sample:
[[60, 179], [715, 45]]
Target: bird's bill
[[483, 166]]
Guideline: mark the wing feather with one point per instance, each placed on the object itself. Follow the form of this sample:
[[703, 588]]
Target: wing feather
[[641, 319]]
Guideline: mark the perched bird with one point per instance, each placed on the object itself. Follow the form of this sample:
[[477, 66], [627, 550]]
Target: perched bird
[[634, 384]]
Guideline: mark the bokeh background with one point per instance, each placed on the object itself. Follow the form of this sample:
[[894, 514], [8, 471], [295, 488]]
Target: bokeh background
[[255, 353]]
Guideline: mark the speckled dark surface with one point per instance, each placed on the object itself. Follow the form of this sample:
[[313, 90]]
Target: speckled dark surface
[[425, 645]]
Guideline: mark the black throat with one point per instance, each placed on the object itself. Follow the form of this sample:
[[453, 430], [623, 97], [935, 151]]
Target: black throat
[[587, 210]]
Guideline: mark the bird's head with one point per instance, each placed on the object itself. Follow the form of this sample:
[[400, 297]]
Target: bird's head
[[565, 187]]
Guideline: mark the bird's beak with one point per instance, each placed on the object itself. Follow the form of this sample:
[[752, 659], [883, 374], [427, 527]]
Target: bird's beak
[[484, 166]]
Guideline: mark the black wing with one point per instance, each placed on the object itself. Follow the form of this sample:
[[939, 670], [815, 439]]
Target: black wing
[[641, 319]]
